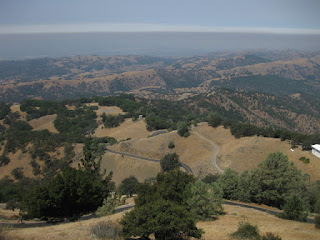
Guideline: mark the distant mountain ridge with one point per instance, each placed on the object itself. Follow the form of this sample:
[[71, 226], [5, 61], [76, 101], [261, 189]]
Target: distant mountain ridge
[[274, 72]]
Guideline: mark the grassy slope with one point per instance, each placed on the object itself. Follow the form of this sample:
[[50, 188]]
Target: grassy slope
[[219, 229], [238, 154]]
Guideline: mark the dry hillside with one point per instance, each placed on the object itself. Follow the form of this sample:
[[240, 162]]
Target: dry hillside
[[219, 229]]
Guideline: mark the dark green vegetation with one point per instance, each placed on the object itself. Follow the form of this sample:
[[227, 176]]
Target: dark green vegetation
[[37, 108], [204, 200], [171, 145], [70, 194], [30, 70], [112, 121], [169, 162], [162, 209], [249, 231], [4, 110], [128, 186], [305, 160], [275, 182]]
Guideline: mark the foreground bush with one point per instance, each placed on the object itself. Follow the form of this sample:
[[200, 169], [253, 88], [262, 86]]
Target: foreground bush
[[246, 231], [160, 210], [249, 231], [106, 230]]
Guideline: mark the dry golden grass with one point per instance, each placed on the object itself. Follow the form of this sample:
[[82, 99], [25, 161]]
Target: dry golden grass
[[127, 129], [192, 150], [123, 167], [79, 230], [245, 153], [219, 229], [227, 224], [45, 122], [18, 159], [6, 215]]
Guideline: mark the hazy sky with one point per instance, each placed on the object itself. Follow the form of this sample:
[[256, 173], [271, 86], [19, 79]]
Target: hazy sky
[[276, 16]]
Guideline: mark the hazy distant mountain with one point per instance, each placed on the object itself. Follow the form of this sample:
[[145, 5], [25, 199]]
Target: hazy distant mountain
[[70, 77]]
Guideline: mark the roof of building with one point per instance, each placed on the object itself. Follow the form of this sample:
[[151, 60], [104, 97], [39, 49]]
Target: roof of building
[[316, 146]]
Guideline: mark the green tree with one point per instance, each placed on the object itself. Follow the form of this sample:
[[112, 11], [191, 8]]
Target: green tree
[[4, 110], [69, 194], [294, 209], [204, 200], [215, 120], [169, 162], [128, 186], [183, 129], [17, 173], [229, 182], [171, 145], [210, 178], [275, 179], [161, 210], [4, 160]]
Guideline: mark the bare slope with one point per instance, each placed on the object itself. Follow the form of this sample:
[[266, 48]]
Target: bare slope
[[245, 153], [237, 154]]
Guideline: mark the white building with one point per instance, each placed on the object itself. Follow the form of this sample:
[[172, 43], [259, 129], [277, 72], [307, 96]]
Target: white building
[[316, 150]]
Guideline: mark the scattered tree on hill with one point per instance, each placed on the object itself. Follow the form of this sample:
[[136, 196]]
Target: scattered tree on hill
[[183, 129], [171, 145], [161, 210], [169, 162], [204, 200], [112, 121], [17, 173], [4, 160], [128, 186], [4, 110]]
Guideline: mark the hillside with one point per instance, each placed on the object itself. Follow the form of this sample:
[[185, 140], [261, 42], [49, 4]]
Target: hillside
[[83, 76], [218, 229], [238, 154]]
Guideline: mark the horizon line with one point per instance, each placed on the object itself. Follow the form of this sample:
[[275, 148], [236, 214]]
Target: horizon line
[[145, 28]]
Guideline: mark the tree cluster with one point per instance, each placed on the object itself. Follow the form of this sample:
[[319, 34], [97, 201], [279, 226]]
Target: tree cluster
[[275, 182]]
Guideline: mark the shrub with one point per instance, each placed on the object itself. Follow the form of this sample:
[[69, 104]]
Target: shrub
[[4, 160], [106, 230], [171, 145], [108, 207], [317, 221], [246, 231], [169, 162], [305, 160], [183, 129]]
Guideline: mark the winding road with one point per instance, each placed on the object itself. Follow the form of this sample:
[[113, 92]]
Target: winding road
[[183, 165], [216, 150]]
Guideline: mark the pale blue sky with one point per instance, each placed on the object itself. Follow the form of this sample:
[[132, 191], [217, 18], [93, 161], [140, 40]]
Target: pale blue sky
[[277, 16]]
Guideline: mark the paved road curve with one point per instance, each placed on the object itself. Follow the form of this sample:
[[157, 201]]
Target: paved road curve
[[216, 150]]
